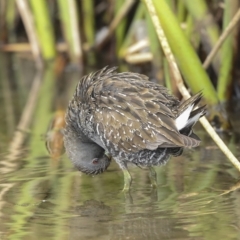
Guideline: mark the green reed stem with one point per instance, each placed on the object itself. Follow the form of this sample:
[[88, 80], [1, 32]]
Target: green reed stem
[[44, 29]]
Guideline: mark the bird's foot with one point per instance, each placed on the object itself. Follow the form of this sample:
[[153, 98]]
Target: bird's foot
[[153, 177]]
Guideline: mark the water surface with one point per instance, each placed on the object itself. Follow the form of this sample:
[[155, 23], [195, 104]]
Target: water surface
[[43, 197]]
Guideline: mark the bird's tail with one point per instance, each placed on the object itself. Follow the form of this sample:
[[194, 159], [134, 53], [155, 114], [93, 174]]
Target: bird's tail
[[187, 116], [186, 119]]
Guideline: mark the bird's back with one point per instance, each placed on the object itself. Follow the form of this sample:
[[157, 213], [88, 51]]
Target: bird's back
[[128, 115]]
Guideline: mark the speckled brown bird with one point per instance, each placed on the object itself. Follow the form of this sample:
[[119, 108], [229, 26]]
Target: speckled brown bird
[[125, 116]]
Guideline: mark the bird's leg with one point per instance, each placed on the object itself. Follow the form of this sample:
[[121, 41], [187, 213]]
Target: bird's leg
[[153, 177], [127, 177], [127, 180]]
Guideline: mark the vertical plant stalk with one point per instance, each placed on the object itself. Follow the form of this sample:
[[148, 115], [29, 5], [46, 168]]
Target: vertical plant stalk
[[119, 33], [44, 29], [10, 20], [69, 18], [191, 32], [155, 47], [75, 30], [89, 27], [31, 33], [139, 14], [221, 39], [181, 11], [167, 75], [227, 53], [3, 10], [181, 86], [208, 29]]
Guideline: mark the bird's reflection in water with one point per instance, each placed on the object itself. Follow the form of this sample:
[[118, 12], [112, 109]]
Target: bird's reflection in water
[[137, 224]]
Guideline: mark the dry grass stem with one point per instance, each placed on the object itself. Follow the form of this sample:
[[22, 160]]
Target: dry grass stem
[[221, 39], [117, 19]]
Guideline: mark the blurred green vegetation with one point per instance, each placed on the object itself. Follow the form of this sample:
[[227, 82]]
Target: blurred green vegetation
[[102, 32]]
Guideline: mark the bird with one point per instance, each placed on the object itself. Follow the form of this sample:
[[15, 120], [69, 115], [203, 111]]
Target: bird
[[126, 117]]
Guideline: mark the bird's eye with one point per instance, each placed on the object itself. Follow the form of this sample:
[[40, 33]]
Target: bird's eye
[[95, 161]]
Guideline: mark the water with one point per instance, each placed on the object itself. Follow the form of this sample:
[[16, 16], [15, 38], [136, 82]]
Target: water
[[43, 197]]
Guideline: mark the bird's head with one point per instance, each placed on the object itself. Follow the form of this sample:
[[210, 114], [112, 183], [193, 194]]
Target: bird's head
[[87, 157]]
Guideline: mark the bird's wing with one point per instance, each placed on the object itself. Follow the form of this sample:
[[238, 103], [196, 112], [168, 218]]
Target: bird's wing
[[133, 114]]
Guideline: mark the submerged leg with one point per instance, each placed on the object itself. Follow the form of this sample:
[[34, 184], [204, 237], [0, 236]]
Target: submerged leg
[[127, 176], [153, 177], [127, 180]]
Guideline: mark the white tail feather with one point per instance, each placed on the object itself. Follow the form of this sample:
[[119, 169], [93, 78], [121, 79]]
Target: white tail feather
[[182, 120], [193, 119]]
